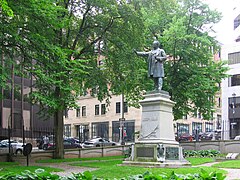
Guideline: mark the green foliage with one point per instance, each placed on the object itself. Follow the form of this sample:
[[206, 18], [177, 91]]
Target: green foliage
[[60, 42], [41, 174], [201, 153], [5, 8], [38, 174], [192, 77]]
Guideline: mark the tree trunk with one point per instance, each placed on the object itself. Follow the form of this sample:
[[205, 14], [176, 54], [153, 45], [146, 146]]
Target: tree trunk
[[58, 124]]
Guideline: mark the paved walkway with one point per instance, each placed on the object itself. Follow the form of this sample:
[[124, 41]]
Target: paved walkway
[[68, 170], [233, 174]]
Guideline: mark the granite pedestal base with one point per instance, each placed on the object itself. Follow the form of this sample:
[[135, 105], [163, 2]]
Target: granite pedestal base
[[157, 145]]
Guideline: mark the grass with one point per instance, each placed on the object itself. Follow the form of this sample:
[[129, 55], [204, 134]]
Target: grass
[[14, 167], [79, 159], [110, 169], [198, 161], [233, 164]]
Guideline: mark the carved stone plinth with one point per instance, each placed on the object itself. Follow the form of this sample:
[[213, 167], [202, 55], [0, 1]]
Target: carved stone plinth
[[157, 145]]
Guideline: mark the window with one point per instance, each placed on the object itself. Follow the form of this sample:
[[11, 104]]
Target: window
[[67, 130], [103, 109], [129, 129], [219, 119], [100, 129], [219, 102], [78, 112], [234, 80], [66, 113], [118, 107], [96, 109], [185, 116], [125, 107], [182, 128], [234, 58], [84, 111], [196, 127], [208, 127], [199, 115], [83, 132], [236, 22]]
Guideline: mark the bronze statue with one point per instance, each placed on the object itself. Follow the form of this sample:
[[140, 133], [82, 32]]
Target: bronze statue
[[156, 57]]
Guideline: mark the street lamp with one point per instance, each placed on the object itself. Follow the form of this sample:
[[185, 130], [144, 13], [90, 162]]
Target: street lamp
[[121, 122], [9, 138], [233, 112]]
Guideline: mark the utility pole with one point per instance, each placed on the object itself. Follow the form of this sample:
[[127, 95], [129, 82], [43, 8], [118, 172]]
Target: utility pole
[[121, 122]]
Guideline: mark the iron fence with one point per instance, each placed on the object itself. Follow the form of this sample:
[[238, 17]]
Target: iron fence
[[26, 133]]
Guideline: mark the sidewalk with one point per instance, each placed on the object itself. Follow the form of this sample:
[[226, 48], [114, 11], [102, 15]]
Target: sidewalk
[[233, 174]]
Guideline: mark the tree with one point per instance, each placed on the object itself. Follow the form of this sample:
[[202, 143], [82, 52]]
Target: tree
[[192, 76], [5, 9], [58, 44]]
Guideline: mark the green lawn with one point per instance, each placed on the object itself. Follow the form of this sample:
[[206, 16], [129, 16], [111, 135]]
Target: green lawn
[[79, 159], [198, 161], [7, 167], [233, 164], [111, 169]]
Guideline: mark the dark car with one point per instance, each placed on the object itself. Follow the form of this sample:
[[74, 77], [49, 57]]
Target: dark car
[[73, 140], [185, 137], [98, 142], [206, 136], [66, 143]]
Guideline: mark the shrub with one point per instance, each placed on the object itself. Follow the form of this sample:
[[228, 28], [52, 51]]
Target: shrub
[[201, 153], [43, 175]]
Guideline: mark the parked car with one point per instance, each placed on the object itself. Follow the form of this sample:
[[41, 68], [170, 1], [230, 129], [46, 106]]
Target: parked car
[[73, 140], [237, 137], [185, 137], [98, 142], [66, 143], [206, 136], [16, 146], [4, 148]]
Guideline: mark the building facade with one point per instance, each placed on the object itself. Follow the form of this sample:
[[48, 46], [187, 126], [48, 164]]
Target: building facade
[[16, 112], [94, 118], [231, 85]]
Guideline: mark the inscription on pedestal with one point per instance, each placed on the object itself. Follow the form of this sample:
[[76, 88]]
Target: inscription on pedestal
[[150, 126], [145, 151], [172, 153]]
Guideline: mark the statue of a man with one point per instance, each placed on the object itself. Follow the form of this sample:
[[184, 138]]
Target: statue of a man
[[156, 57]]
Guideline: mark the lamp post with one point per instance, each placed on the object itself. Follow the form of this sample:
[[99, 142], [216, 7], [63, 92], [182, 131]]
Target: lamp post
[[233, 112], [121, 121], [9, 139]]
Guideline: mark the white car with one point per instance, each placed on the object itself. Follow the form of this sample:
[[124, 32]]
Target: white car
[[4, 148], [16, 146], [237, 137], [98, 142]]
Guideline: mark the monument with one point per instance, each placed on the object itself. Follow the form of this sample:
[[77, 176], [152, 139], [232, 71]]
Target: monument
[[156, 145]]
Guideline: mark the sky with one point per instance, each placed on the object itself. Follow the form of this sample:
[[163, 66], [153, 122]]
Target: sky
[[225, 27]]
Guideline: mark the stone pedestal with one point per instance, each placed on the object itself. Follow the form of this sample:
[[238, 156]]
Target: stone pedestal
[[157, 145]]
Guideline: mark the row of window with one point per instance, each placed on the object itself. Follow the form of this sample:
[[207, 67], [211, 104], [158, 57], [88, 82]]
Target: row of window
[[196, 127], [78, 112], [97, 109], [100, 109], [102, 129]]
